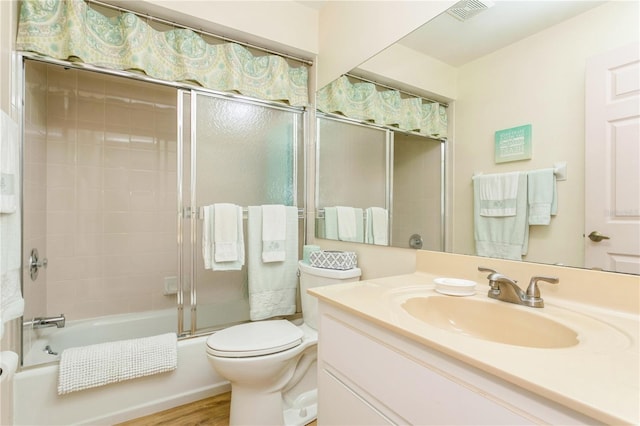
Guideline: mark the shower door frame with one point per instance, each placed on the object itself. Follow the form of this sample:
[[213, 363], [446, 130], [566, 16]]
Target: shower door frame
[[20, 95]]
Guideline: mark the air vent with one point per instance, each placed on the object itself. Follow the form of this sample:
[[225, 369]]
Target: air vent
[[467, 9]]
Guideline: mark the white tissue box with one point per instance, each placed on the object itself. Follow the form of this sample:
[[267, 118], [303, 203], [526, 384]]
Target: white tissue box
[[341, 260]]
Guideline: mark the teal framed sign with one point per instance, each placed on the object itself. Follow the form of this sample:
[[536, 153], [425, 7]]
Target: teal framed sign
[[513, 144]]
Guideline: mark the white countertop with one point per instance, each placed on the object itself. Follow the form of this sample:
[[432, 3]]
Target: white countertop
[[598, 377]]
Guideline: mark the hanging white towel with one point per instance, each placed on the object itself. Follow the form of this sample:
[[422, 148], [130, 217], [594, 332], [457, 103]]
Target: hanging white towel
[[542, 196], [90, 366], [9, 161], [11, 301], [346, 223], [505, 237], [497, 193], [274, 228], [272, 286], [233, 215], [377, 226], [226, 223]]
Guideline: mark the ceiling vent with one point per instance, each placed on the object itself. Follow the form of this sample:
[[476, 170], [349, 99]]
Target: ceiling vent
[[467, 9]]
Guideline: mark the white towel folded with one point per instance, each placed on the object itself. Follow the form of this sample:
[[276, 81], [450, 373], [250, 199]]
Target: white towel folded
[[9, 162], [377, 226], [273, 286], [274, 228], [217, 243], [542, 196], [90, 366], [226, 224], [497, 193]]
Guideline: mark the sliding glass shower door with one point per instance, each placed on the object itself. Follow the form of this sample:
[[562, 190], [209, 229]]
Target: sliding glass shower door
[[240, 152]]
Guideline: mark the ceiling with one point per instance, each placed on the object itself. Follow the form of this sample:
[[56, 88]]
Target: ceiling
[[456, 43]]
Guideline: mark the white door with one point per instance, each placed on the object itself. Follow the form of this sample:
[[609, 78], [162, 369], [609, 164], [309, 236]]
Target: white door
[[612, 161]]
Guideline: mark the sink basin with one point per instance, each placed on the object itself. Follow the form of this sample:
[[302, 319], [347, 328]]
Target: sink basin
[[497, 322]]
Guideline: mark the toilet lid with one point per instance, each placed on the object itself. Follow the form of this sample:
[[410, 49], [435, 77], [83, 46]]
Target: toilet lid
[[254, 339]]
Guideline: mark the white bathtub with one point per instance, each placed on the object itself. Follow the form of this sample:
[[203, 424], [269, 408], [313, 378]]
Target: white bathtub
[[38, 403], [95, 330]]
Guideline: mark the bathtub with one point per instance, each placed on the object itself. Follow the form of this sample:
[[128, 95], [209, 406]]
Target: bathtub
[[37, 402]]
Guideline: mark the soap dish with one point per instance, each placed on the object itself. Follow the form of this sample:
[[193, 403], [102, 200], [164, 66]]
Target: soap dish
[[455, 286]]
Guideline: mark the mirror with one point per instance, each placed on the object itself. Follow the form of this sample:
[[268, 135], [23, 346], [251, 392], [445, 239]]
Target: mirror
[[494, 81], [366, 176]]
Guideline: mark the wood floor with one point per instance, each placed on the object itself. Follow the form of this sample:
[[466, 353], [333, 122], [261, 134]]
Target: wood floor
[[210, 411]]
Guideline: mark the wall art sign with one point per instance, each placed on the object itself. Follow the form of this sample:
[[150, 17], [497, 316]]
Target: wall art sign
[[513, 144]]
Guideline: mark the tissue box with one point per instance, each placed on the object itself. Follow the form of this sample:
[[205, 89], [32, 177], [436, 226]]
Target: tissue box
[[341, 260]]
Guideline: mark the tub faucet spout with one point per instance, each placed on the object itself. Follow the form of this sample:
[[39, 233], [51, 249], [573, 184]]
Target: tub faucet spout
[[42, 322]]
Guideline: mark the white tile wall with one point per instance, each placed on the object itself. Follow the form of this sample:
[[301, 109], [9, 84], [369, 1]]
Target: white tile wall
[[110, 197]]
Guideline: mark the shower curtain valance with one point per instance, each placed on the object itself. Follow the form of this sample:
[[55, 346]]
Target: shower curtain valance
[[363, 101], [71, 30]]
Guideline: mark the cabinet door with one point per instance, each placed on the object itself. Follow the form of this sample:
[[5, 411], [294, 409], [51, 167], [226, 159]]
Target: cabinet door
[[339, 405], [399, 386]]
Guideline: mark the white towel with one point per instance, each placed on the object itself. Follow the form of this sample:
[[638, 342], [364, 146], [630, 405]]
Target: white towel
[[9, 161], [97, 365], [225, 234], [377, 226], [272, 286], [231, 215], [505, 237], [497, 193], [542, 196], [274, 228], [11, 301]]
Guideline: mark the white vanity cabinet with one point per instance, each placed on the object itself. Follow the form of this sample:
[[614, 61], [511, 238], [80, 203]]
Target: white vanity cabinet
[[370, 375]]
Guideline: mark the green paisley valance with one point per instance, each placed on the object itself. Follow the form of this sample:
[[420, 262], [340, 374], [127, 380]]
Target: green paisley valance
[[71, 30], [363, 101]]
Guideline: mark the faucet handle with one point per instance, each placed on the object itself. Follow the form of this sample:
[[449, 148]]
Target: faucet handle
[[489, 270], [533, 290]]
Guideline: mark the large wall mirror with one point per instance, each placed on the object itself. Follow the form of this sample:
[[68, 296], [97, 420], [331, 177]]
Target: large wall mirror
[[514, 64]]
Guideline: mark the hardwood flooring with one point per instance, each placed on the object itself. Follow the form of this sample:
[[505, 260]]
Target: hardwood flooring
[[212, 411]]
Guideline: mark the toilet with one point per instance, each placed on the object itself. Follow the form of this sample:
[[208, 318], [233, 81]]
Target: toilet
[[271, 364]]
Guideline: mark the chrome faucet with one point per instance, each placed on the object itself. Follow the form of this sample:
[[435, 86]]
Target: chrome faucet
[[505, 289], [42, 322]]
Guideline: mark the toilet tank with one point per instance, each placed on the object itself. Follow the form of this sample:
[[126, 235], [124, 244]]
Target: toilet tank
[[311, 277]]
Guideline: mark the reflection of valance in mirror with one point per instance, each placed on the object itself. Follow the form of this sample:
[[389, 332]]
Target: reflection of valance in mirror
[[71, 30], [363, 101]]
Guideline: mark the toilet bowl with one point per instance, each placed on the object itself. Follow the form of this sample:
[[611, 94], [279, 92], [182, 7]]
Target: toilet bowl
[[271, 364]]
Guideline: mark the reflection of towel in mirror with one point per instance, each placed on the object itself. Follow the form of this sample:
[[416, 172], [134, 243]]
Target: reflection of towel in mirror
[[331, 223], [542, 196], [377, 226], [350, 224], [505, 237], [497, 193]]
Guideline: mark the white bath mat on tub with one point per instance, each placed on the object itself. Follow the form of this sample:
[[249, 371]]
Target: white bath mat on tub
[[97, 365]]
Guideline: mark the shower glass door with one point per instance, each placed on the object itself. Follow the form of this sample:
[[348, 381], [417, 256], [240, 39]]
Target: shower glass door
[[241, 152]]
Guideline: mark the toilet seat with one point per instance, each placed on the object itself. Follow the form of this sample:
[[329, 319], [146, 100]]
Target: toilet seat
[[254, 339]]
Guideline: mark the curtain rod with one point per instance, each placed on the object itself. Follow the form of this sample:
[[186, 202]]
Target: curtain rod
[[200, 31], [394, 88]]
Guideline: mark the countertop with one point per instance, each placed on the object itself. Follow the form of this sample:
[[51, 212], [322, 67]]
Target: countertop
[[599, 377]]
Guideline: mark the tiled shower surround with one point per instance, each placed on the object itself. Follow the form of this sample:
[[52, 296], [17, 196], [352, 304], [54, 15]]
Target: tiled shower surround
[[106, 167]]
